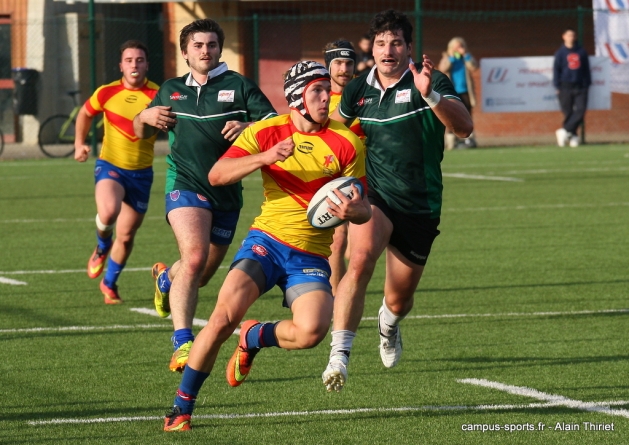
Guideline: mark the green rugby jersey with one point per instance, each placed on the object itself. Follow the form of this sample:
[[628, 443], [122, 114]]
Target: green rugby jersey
[[404, 140], [196, 142]]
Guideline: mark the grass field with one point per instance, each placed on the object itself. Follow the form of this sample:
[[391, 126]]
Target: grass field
[[520, 320]]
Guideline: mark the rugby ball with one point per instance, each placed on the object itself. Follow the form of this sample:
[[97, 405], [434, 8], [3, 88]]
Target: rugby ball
[[317, 213]]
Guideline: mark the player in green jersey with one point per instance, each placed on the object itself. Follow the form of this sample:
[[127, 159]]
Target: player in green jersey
[[203, 112], [404, 109]]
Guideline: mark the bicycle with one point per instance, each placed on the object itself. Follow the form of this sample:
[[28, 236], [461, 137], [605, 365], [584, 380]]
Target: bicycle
[[56, 134]]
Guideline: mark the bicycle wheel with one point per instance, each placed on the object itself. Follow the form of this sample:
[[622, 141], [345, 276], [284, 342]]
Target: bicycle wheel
[[1, 142], [55, 140]]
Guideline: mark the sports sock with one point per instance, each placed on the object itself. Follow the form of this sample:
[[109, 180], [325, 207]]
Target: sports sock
[[262, 335], [342, 342], [113, 271], [181, 336], [163, 282], [388, 321], [189, 388], [104, 243]]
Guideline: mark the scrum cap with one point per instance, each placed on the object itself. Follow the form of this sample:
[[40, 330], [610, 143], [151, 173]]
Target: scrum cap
[[297, 80], [343, 50]]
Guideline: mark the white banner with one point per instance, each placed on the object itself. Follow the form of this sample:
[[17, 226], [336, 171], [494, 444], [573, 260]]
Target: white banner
[[516, 84], [611, 37]]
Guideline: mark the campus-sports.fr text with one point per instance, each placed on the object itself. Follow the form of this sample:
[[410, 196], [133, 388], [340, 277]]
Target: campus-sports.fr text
[[540, 426]]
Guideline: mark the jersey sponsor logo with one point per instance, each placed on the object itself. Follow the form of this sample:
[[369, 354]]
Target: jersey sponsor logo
[[327, 160], [259, 250], [574, 61], [97, 171], [178, 96], [223, 233], [131, 99], [305, 147], [315, 272], [174, 195], [403, 96], [226, 95], [113, 174], [201, 198], [361, 102]]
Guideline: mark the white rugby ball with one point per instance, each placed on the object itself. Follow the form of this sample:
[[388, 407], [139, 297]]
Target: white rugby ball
[[317, 213]]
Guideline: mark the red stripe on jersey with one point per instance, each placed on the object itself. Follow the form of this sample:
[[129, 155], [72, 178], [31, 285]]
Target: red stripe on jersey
[[268, 137], [90, 110], [108, 92], [124, 125], [298, 189]]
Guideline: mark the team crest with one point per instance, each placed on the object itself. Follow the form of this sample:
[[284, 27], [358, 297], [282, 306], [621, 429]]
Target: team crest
[[97, 170], [174, 195], [259, 250], [113, 174]]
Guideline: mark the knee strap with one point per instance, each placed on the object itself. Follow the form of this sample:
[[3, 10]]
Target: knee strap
[[102, 227]]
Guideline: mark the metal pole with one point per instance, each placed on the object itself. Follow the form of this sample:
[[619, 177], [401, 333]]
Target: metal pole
[[418, 31], [256, 49], [92, 31], [580, 14]]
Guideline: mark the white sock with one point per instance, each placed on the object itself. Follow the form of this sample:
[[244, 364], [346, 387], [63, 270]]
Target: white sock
[[388, 321], [342, 342]]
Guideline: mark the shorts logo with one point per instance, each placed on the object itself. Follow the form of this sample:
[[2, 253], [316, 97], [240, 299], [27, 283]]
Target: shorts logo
[[131, 99], [221, 232], [113, 174], [315, 272], [201, 198], [97, 171], [305, 147], [143, 205], [418, 256], [226, 96], [403, 96], [174, 195], [178, 96], [259, 250]]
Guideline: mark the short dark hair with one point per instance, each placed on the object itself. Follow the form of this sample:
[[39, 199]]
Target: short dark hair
[[134, 44], [391, 20], [201, 25]]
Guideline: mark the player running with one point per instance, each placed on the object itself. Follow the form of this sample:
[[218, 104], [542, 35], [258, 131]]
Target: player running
[[297, 153], [203, 111], [404, 109], [123, 171]]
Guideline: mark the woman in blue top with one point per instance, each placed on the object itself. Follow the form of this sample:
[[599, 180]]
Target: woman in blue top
[[458, 64]]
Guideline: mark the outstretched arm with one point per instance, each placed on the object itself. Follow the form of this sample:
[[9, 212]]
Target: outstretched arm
[[452, 113], [230, 170]]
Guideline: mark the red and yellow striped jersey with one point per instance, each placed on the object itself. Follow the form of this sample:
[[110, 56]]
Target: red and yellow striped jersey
[[121, 147], [335, 100], [289, 186]]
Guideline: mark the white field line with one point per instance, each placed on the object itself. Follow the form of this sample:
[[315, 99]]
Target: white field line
[[513, 314], [12, 282], [556, 400], [320, 412], [482, 177], [85, 328], [445, 209], [142, 310], [46, 272]]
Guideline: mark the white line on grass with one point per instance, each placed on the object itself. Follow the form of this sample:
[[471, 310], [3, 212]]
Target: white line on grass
[[482, 177], [153, 312], [540, 206], [514, 314], [556, 400], [321, 412], [85, 328], [12, 282]]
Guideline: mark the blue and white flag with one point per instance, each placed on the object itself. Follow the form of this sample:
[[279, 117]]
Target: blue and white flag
[[611, 37]]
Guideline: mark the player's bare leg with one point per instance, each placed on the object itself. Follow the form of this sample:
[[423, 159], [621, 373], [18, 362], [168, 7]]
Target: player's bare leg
[[402, 278], [367, 242], [337, 257]]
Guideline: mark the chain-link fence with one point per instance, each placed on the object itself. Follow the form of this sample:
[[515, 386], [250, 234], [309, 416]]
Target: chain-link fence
[[265, 37]]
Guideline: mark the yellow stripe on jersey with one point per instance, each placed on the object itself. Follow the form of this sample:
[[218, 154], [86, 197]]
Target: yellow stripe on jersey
[[121, 147], [290, 185]]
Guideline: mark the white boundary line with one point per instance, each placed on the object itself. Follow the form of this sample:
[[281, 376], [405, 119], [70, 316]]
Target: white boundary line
[[481, 177], [552, 399], [13, 282], [85, 328], [514, 314]]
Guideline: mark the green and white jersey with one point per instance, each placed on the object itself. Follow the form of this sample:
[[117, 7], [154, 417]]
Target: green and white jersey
[[404, 140], [196, 142]]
